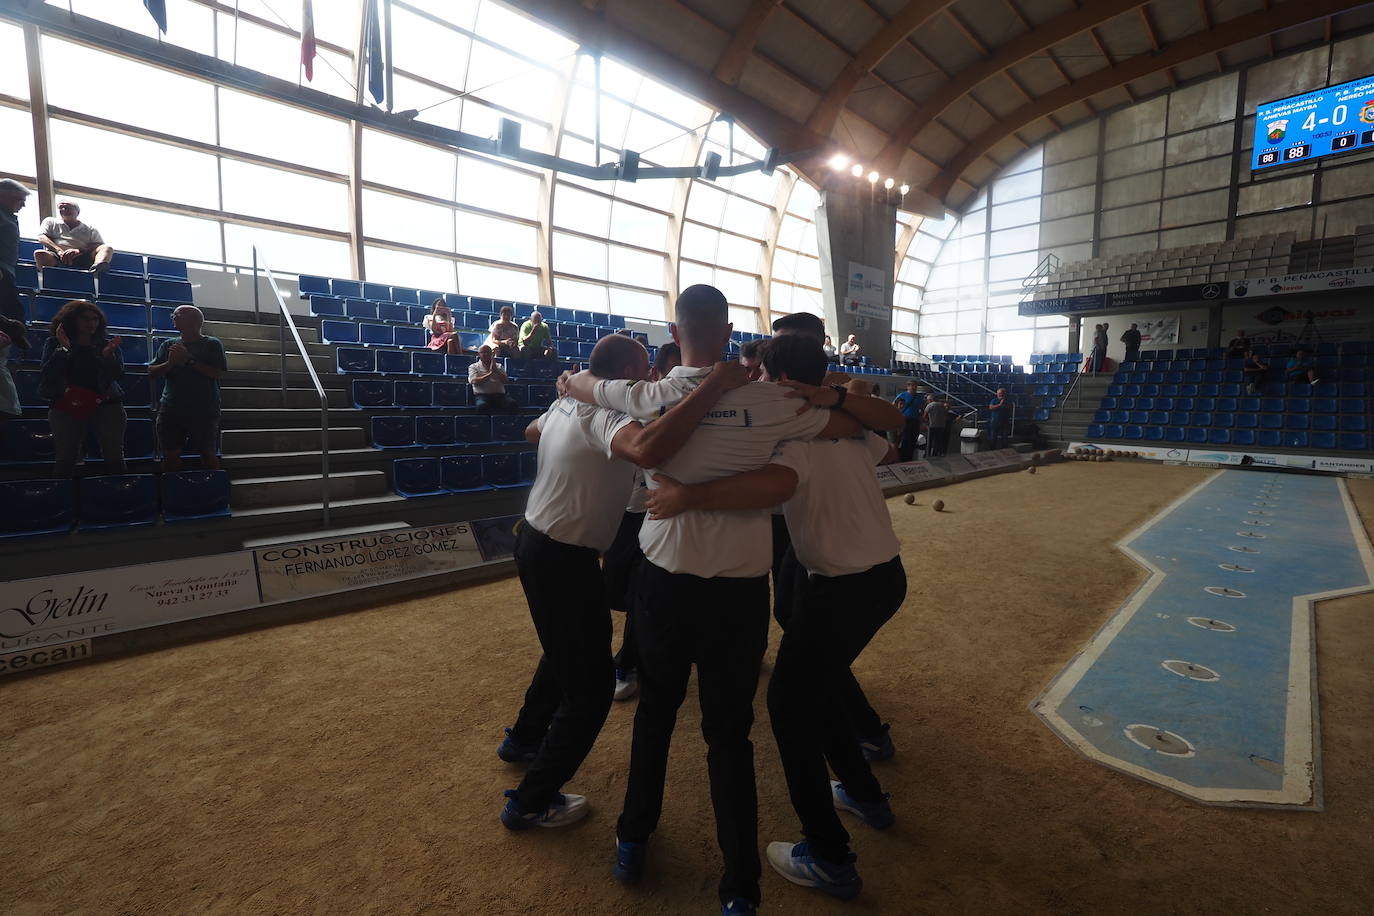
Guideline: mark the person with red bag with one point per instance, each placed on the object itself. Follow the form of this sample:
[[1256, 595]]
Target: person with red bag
[[82, 366]]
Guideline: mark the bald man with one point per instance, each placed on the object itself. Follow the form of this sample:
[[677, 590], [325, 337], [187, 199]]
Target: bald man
[[190, 368]]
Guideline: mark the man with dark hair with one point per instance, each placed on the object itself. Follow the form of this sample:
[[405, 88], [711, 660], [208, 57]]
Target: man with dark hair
[[704, 587], [587, 458], [1131, 338], [800, 323], [841, 599], [999, 419], [668, 358], [909, 402], [749, 356]]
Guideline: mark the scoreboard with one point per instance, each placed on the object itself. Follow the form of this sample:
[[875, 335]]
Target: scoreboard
[[1337, 119]]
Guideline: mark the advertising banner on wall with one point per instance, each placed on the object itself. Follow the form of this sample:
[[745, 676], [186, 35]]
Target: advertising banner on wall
[[1063, 304], [866, 295], [60, 609], [1317, 281], [1157, 332], [1168, 295], [308, 568]]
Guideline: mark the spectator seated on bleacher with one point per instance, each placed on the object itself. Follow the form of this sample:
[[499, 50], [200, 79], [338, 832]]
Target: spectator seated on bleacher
[[504, 335], [68, 242], [829, 347], [1255, 371], [12, 336], [189, 409], [1300, 368], [1239, 345], [442, 334], [13, 196], [80, 376], [849, 351], [536, 341], [488, 382]]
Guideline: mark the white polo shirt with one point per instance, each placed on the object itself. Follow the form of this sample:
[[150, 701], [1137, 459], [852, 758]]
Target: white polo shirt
[[495, 384], [838, 518], [580, 491], [639, 494], [740, 433], [80, 236]]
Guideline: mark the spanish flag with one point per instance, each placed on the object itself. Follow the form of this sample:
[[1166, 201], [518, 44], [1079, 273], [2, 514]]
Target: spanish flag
[[308, 38]]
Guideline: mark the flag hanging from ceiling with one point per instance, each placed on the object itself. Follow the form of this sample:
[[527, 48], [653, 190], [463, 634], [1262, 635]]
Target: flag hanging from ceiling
[[376, 75], [308, 38], [158, 10]]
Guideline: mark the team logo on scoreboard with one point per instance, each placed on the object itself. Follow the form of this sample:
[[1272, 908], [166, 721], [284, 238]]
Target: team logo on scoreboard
[[1367, 112], [1277, 130]]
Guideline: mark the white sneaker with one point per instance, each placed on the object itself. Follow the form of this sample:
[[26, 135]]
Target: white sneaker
[[565, 809], [626, 684]]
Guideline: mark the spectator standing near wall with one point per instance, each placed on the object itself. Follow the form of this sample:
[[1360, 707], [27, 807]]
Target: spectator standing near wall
[[1255, 370], [68, 242], [999, 419], [13, 196], [909, 402], [1238, 346], [937, 427], [82, 366], [1099, 348], [1132, 341], [190, 404], [12, 334]]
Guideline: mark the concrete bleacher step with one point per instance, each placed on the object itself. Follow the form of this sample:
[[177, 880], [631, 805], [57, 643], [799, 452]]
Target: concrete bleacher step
[[273, 347], [254, 441], [294, 489], [262, 398], [246, 330], [240, 361], [273, 417]]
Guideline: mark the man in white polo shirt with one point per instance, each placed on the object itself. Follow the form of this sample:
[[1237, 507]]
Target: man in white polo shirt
[[68, 242], [488, 381], [587, 460], [704, 590], [839, 524]]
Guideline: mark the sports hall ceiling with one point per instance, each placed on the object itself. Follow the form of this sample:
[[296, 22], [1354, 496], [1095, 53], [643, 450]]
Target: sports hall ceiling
[[937, 94]]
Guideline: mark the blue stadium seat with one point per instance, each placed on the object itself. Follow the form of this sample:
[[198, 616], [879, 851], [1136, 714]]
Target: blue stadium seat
[[1125, 403], [411, 337], [373, 392], [138, 391], [1103, 416], [1295, 438], [75, 284], [450, 394], [1043, 415], [1225, 420], [345, 288], [428, 362], [118, 501], [1353, 405], [1271, 421], [26, 442], [1112, 431], [509, 428], [1119, 416], [33, 507], [1325, 390], [376, 292], [393, 362], [1324, 421], [1219, 437], [473, 430], [1197, 435], [26, 383], [1134, 432], [1204, 403], [338, 332], [360, 308], [140, 442], [1352, 441], [160, 318], [26, 277], [134, 349], [502, 470], [541, 395], [395, 312], [376, 335], [405, 295], [457, 363], [191, 495], [327, 305], [176, 292], [1108, 402], [349, 359], [1247, 420], [1323, 439], [1354, 423], [167, 269], [122, 286], [471, 340], [1296, 421], [1139, 417], [312, 286], [518, 393], [462, 474], [1159, 417], [1242, 437], [1299, 405], [1144, 403], [1154, 433], [1352, 389], [415, 477], [414, 393], [1226, 403], [529, 466], [1200, 418], [1324, 405], [1270, 438], [393, 432], [1175, 434]]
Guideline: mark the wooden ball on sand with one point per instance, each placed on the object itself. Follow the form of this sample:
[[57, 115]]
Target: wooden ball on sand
[[911, 499], [938, 505], [1031, 469]]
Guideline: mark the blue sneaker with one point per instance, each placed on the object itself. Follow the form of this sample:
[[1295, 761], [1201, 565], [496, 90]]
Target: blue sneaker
[[880, 746], [738, 907], [562, 811], [513, 752], [798, 865], [629, 860], [877, 815]]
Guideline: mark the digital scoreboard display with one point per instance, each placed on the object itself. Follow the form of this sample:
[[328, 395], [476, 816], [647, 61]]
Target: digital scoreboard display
[[1337, 119]]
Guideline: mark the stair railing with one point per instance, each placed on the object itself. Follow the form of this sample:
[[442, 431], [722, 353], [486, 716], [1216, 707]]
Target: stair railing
[[954, 397], [282, 325]]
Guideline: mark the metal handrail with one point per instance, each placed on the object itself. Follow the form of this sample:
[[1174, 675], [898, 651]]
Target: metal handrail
[[947, 393], [1077, 377], [287, 322]]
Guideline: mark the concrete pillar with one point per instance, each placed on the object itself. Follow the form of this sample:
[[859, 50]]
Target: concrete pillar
[[853, 227]]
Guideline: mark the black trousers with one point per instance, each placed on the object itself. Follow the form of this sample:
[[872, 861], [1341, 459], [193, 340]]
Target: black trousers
[[10, 304], [620, 569], [911, 432], [782, 583], [833, 620], [570, 695], [721, 626], [937, 438]]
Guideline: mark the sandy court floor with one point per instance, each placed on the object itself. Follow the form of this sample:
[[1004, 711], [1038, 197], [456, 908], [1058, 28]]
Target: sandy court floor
[[346, 765]]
